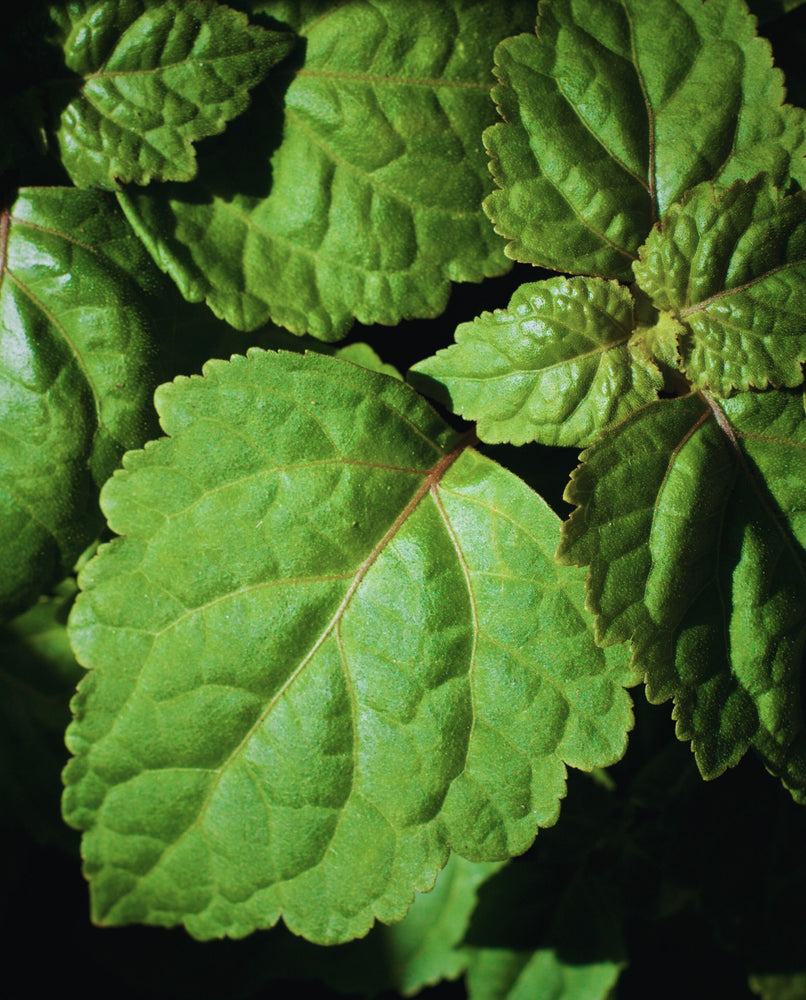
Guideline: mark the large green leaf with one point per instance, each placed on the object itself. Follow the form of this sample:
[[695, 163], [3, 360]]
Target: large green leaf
[[75, 377], [732, 268], [553, 367], [614, 109], [692, 518], [153, 76], [331, 644], [371, 204]]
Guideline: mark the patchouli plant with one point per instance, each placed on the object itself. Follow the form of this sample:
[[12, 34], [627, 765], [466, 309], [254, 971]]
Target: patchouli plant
[[335, 654]]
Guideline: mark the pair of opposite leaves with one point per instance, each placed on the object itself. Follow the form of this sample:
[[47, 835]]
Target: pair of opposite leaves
[[384, 602]]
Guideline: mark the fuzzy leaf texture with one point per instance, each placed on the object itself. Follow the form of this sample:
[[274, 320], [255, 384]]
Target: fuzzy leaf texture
[[731, 267], [553, 367], [152, 77], [614, 109], [331, 644], [75, 377], [692, 518], [358, 191]]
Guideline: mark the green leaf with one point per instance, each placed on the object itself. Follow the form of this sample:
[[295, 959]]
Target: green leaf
[[501, 974], [731, 267], [154, 76], [38, 674], [614, 109], [781, 986], [692, 520], [371, 204], [553, 367], [331, 642], [75, 377]]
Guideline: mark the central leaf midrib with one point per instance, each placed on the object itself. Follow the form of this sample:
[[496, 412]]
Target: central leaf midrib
[[430, 480]]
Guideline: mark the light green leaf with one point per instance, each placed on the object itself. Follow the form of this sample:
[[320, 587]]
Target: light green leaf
[[692, 518], [553, 367], [732, 268], [500, 974], [331, 643], [426, 947], [152, 77], [614, 109], [75, 377], [371, 204]]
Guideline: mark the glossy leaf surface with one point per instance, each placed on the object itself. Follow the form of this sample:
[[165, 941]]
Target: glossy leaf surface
[[732, 268], [331, 644], [153, 77], [692, 518], [370, 204], [603, 130], [75, 377], [553, 367]]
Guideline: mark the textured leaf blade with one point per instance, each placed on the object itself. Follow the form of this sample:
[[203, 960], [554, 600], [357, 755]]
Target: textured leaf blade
[[378, 659], [553, 367], [732, 268], [154, 78], [606, 124], [75, 365], [691, 520], [370, 205]]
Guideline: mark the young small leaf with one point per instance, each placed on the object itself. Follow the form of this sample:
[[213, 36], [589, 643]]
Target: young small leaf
[[155, 76], [692, 518], [331, 643], [553, 367], [731, 267], [614, 109], [75, 377], [371, 204]]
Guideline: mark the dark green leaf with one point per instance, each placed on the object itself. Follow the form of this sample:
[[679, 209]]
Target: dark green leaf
[[614, 109], [692, 518], [75, 377]]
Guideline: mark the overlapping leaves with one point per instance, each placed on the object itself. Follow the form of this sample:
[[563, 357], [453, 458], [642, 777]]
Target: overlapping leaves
[[731, 268], [614, 109], [75, 377], [358, 192], [689, 509], [332, 642], [153, 77]]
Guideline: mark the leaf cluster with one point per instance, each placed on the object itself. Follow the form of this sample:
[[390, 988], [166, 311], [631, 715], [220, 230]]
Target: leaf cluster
[[337, 653]]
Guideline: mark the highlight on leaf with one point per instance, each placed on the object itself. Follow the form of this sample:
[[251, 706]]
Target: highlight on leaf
[[75, 381], [331, 644]]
